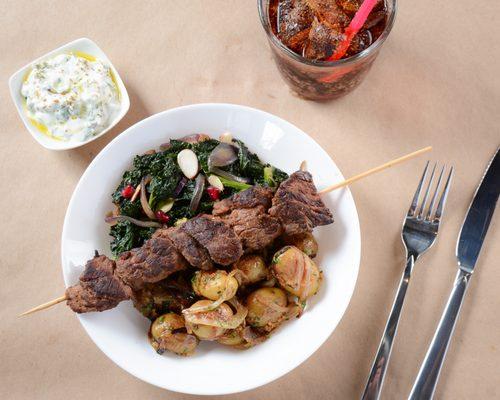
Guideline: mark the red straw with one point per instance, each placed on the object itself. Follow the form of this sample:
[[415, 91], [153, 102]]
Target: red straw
[[356, 24]]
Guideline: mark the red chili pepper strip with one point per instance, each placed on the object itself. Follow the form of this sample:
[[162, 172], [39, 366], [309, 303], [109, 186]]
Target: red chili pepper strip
[[356, 24], [162, 217], [213, 193], [128, 191]]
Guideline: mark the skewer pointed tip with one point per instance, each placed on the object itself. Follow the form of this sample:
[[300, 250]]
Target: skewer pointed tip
[[44, 306], [376, 169]]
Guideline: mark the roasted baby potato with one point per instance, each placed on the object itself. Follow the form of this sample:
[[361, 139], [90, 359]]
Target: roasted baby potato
[[267, 308], [304, 242], [214, 319], [213, 284], [168, 333], [296, 272], [232, 338], [250, 269]]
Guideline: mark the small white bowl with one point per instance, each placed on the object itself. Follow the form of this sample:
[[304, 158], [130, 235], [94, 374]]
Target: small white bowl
[[82, 45]]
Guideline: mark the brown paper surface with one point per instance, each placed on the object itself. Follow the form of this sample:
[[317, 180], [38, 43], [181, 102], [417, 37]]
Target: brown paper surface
[[435, 83]]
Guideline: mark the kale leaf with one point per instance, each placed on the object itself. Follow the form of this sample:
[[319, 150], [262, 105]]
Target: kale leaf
[[126, 236], [165, 175], [249, 164], [203, 150]]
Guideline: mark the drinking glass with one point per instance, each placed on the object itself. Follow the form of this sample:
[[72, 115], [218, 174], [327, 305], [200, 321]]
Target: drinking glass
[[323, 80]]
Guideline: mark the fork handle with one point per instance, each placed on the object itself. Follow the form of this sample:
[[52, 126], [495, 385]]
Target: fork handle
[[425, 384], [379, 367]]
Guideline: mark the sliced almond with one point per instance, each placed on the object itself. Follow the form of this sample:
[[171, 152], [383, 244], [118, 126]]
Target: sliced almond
[[167, 206], [136, 193], [226, 137], [188, 163], [215, 181], [180, 221]]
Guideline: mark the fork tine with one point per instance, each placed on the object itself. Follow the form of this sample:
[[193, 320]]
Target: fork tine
[[414, 202], [442, 200], [426, 195], [433, 200]]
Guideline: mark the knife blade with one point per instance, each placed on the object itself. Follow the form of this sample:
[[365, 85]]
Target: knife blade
[[478, 218], [470, 241]]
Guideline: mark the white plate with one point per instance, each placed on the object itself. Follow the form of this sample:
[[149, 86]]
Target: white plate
[[214, 369], [83, 45]]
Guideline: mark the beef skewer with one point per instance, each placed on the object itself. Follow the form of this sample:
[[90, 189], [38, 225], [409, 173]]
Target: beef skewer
[[240, 223], [257, 216]]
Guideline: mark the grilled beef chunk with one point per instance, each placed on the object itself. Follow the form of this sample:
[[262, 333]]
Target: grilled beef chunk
[[298, 205], [255, 228], [173, 294], [218, 238], [99, 288], [154, 261], [250, 198], [246, 213], [193, 252]]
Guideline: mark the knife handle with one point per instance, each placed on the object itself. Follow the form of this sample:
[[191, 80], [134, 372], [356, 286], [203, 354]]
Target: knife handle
[[375, 381], [425, 384]]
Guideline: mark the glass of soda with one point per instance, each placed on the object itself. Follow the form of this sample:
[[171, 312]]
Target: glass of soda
[[303, 35]]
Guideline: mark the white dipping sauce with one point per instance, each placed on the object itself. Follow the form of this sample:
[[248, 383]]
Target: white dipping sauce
[[70, 97]]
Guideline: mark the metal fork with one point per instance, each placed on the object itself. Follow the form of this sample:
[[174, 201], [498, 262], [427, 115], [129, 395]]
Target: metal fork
[[420, 229]]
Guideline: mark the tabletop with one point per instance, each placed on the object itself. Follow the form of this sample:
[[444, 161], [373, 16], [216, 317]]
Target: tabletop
[[435, 82]]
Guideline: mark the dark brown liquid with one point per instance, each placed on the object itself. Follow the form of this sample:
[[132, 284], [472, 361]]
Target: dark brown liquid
[[314, 28]]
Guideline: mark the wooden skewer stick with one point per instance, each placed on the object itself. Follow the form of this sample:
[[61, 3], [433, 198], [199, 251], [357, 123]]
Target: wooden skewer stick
[[303, 167], [375, 170], [45, 305]]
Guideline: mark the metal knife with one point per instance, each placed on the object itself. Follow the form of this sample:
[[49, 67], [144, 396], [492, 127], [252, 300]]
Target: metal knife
[[470, 241]]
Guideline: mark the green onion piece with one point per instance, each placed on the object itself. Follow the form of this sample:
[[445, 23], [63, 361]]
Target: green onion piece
[[269, 176], [235, 185]]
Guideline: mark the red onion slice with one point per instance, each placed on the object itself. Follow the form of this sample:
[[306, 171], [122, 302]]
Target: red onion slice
[[201, 318], [198, 192], [195, 138], [307, 285], [144, 201], [228, 293], [180, 186], [142, 224], [224, 154], [272, 306], [299, 271], [252, 337], [165, 146]]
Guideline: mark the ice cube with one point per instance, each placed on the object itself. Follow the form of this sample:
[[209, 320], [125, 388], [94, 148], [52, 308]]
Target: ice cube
[[294, 21], [329, 12], [322, 41]]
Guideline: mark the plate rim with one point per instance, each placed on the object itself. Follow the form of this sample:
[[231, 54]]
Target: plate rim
[[267, 379]]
